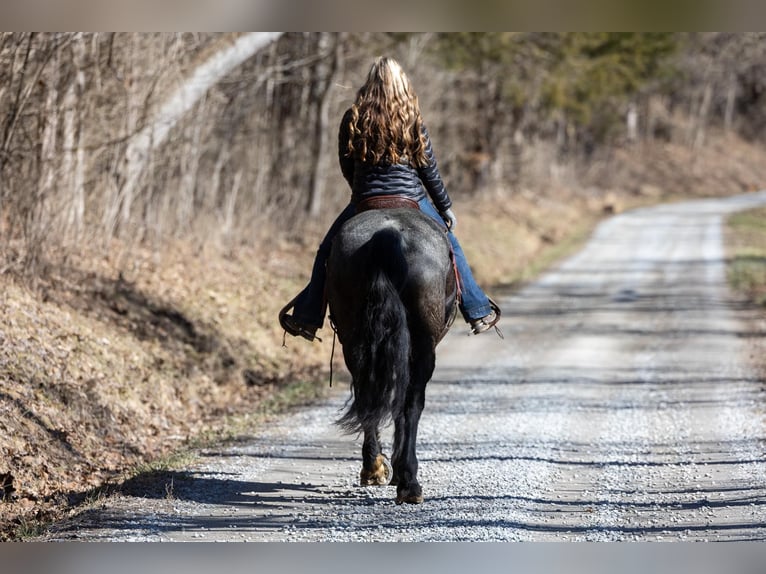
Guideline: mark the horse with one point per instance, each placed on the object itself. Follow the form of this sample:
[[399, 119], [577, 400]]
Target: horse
[[392, 293]]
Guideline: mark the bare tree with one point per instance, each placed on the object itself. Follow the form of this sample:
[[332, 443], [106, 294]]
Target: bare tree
[[210, 67]]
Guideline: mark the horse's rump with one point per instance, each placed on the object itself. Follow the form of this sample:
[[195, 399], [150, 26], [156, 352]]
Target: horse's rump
[[410, 249]]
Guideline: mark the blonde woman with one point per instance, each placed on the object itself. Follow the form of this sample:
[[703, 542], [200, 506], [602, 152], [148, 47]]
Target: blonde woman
[[385, 151]]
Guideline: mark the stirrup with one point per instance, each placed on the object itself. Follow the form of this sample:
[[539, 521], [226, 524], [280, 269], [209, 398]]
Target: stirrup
[[293, 327], [489, 321]]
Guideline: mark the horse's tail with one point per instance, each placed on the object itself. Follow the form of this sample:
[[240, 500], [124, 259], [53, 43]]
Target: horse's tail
[[381, 351]]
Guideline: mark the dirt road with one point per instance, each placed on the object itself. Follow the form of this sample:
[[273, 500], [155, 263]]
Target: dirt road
[[621, 405]]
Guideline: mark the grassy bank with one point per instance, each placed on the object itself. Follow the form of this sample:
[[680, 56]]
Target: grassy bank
[[747, 255]]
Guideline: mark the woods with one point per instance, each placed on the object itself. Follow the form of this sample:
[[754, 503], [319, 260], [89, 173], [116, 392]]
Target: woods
[[224, 138]]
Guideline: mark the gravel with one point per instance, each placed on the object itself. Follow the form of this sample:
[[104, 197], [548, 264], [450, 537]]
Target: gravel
[[619, 406]]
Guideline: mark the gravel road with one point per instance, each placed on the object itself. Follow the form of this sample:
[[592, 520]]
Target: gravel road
[[621, 405]]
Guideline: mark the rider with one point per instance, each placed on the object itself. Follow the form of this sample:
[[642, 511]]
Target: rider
[[385, 150]]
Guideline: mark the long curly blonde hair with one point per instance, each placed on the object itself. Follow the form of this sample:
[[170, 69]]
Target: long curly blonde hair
[[386, 125]]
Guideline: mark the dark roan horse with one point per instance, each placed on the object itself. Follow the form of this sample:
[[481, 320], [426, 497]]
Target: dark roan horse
[[392, 294]]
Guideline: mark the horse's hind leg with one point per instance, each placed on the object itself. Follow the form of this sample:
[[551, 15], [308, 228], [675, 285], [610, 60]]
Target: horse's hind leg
[[376, 470], [405, 461]]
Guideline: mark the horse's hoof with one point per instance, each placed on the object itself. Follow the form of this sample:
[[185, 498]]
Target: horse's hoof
[[410, 496], [410, 499], [379, 476]]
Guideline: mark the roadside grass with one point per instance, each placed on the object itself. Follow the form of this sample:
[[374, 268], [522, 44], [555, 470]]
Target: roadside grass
[[511, 242], [28, 529], [746, 244], [234, 427]]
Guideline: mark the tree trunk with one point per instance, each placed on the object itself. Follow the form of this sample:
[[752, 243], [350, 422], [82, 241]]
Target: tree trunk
[[731, 97], [631, 121], [50, 119], [516, 159], [191, 153], [74, 154], [701, 119], [326, 73], [231, 203]]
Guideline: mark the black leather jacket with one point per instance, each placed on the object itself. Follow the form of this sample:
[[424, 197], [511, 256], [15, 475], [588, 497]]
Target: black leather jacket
[[367, 180]]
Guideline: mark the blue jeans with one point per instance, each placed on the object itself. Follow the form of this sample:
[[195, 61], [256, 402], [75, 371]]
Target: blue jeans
[[310, 306]]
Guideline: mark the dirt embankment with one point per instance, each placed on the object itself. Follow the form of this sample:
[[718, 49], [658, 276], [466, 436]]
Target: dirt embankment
[[111, 361]]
